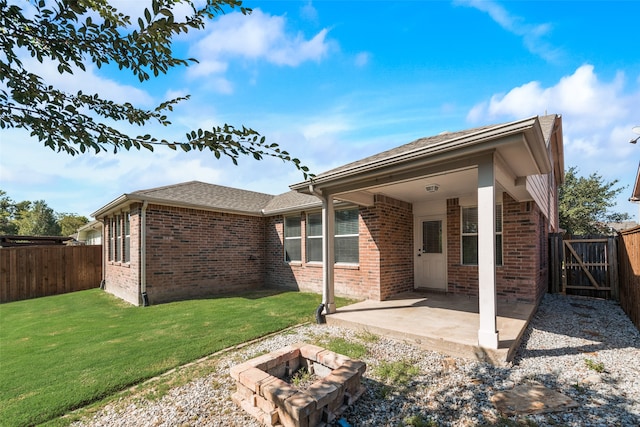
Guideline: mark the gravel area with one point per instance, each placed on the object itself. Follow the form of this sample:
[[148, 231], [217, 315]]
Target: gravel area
[[586, 349]]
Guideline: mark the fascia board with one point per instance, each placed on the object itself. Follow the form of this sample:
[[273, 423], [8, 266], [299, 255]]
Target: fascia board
[[127, 199]]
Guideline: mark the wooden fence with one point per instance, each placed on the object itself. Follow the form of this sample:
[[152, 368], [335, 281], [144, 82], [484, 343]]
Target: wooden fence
[[629, 260], [38, 271], [584, 266]]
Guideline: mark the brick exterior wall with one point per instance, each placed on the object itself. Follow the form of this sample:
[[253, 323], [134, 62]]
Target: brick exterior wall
[[524, 273], [194, 253], [385, 246], [122, 279], [390, 223]]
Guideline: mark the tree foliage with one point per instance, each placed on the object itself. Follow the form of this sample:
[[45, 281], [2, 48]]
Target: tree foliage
[[39, 220], [36, 219], [69, 223], [585, 203], [8, 210], [68, 34]]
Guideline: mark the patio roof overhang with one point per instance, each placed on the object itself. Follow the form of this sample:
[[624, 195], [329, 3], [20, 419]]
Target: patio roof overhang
[[519, 148]]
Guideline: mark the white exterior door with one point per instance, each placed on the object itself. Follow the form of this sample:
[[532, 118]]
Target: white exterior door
[[430, 252]]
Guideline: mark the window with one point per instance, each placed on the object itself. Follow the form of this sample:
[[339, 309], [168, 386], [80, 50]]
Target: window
[[112, 243], [470, 235], [432, 237], [119, 238], [127, 238], [292, 239], [346, 239], [118, 230], [314, 237]]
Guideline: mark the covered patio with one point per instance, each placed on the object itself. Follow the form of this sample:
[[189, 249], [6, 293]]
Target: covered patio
[[439, 322]]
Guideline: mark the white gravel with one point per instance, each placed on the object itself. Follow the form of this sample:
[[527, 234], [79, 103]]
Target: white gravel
[[445, 391]]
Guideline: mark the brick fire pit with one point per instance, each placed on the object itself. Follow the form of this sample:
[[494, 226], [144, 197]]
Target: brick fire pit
[[263, 392]]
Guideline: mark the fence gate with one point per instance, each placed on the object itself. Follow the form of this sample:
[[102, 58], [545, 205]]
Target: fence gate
[[589, 267]]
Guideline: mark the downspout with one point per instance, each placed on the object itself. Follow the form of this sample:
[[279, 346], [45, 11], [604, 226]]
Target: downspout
[[328, 301], [103, 282], [143, 254]]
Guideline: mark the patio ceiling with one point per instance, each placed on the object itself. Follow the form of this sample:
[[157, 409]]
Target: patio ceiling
[[450, 184], [518, 150]]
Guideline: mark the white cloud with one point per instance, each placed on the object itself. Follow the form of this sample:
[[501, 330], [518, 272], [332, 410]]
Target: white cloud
[[309, 13], [362, 59], [88, 82], [257, 36], [595, 103], [532, 34], [597, 119]]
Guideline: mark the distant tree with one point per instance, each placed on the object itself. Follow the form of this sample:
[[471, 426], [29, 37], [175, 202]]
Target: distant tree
[[68, 34], [39, 220], [7, 214], [69, 223], [585, 203]]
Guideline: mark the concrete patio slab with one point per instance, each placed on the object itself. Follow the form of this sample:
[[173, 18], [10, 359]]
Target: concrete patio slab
[[438, 322]]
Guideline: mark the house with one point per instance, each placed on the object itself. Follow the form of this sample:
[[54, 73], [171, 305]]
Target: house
[[635, 193], [90, 233], [465, 213]]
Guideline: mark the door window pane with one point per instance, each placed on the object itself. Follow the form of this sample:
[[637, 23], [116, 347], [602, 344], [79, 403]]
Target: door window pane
[[432, 237]]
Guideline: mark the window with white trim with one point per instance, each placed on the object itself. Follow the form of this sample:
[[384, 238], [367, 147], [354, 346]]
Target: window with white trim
[[127, 238], [118, 231], [292, 239], [119, 238], [314, 237], [112, 234], [469, 233], [346, 238]]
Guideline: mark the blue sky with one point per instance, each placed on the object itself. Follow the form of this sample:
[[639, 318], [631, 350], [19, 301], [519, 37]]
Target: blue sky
[[335, 81]]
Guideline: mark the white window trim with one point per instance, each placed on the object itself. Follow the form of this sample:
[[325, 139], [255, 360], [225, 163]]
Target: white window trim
[[497, 233], [335, 236], [299, 238]]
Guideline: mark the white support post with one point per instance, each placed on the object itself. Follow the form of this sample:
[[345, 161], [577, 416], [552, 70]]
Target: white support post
[[328, 255], [488, 330]]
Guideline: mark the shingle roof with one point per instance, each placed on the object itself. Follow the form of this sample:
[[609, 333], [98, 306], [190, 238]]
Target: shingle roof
[[212, 196], [201, 195], [432, 144], [547, 123], [418, 143], [290, 201]]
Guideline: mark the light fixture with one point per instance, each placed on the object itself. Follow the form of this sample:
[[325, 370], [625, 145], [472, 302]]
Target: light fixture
[[635, 129], [432, 188]]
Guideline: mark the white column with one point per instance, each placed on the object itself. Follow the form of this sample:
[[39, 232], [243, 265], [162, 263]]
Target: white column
[[488, 330], [328, 256]]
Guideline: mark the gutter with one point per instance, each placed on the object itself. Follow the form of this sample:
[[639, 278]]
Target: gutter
[[103, 282], [143, 254]]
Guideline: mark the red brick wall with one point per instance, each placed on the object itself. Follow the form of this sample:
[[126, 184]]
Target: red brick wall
[[349, 280], [523, 275], [390, 223], [121, 279], [385, 246], [194, 253]]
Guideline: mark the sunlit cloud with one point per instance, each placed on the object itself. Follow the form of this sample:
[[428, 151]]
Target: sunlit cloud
[[533, 35], [591, 102], [258, 36], [362, 59]]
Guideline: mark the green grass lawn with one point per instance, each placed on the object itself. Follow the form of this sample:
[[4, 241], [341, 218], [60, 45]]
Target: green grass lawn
[[63, 352]]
